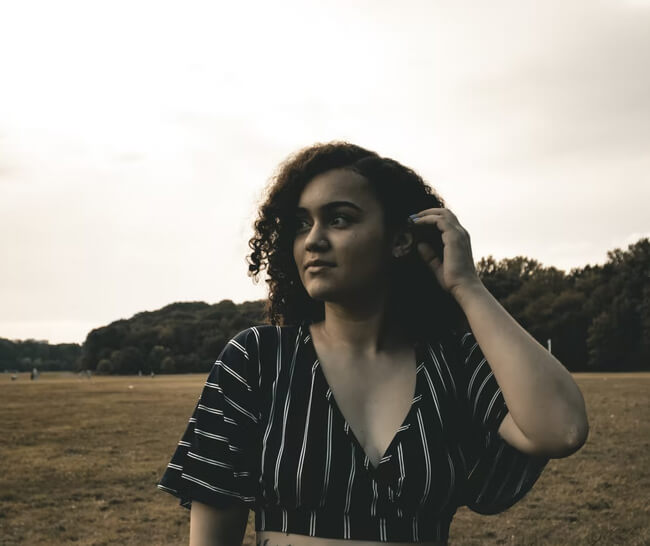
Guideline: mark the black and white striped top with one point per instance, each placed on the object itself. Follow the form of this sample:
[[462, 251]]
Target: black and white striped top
[[267, 432]]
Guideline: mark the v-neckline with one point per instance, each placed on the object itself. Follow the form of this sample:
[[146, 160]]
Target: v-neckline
[[406, 422]]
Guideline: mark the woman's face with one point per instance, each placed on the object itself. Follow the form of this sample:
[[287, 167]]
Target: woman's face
[[350, 235]]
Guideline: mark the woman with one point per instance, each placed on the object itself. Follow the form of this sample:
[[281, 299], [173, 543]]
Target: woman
[[390, 387]]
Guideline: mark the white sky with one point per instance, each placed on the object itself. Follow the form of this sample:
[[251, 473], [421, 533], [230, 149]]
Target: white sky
[[136, 138]]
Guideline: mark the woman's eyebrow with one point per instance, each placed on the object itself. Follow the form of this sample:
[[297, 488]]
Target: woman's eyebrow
[[332, 205]]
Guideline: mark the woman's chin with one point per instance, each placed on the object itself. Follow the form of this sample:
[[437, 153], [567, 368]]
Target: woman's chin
[[321, 294], [322, 290]]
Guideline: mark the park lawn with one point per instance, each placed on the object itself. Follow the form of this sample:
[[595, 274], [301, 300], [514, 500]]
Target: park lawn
[[82, 456]]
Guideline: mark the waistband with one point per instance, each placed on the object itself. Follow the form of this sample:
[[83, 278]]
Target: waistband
[[328, 523]]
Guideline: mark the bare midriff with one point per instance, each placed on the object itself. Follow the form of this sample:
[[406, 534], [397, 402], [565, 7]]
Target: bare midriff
[[276, 538]]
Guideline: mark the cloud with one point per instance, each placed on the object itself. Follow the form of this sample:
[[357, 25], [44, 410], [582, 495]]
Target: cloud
[[586, 92]]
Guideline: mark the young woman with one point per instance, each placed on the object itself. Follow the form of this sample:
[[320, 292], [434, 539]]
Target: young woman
[[389, 388]]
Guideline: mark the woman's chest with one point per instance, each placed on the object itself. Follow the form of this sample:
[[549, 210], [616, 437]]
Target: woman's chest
[[357, 438], [372, 398]]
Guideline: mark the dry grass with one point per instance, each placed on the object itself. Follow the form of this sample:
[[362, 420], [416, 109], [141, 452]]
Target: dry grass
[[81, 458]]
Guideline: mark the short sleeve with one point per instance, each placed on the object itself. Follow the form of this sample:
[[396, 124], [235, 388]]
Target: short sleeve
[[498, 474], [215, 462]]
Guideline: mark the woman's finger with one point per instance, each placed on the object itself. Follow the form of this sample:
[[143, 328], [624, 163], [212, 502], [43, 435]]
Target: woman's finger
[[442, 223], [429, 211]]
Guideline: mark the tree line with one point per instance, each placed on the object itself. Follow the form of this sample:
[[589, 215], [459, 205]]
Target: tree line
[[597, 318]]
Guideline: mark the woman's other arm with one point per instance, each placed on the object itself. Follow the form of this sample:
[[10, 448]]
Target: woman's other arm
[[211, 526]]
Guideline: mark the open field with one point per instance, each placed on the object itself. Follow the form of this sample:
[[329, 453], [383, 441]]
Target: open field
[[81, 458]]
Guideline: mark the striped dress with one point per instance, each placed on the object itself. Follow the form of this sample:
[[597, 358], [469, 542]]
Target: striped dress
[[267, 432]]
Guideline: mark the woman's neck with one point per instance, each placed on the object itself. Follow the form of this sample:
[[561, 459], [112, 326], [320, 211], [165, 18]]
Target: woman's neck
[[365, 334]]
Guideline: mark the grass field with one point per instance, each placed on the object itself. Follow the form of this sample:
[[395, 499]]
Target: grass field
[[81, 458]]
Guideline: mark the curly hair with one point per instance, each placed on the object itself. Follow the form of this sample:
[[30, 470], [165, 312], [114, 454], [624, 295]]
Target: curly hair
[[415, 297]]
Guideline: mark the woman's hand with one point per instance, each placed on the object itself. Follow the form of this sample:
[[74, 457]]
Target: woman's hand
[[456, 268]]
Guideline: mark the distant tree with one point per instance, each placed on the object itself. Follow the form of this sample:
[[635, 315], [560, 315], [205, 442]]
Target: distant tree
[[616, 335], [105, 366], [211, 346], [506, 276], [8, 354], [156, 355], [168, 365], [127, 361]]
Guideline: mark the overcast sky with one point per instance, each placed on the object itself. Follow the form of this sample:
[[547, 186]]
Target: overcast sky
[[136, 138]]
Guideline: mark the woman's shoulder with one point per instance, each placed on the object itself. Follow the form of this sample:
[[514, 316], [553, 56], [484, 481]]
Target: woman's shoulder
[[447, 337], [266, 333], [266, 327]]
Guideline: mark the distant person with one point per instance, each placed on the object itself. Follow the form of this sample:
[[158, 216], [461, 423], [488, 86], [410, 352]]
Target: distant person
[[371, 407], [152, 374]]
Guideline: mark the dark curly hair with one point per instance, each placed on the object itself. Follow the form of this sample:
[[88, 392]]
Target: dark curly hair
[[416, 298]]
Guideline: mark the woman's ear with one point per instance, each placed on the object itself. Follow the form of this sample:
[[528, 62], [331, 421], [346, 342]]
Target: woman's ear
[[403, 243]]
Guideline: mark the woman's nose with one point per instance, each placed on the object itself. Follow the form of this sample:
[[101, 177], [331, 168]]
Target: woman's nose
[[315, 238]]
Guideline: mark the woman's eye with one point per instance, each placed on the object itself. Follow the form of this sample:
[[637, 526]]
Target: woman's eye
[[301, 223], [345, 219]]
